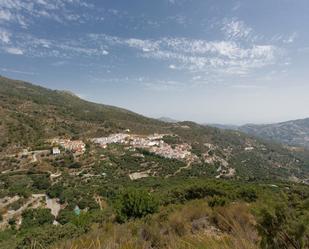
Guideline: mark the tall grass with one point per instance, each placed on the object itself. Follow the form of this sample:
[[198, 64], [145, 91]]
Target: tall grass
[[174, 227]]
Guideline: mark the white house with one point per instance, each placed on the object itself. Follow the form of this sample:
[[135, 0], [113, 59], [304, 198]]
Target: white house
[[56, 151]]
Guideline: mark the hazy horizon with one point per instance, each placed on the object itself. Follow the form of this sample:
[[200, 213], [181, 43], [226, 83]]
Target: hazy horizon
[[228, 62]]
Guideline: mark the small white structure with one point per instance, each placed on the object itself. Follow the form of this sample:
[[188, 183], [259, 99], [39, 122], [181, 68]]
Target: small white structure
[[249, 148], [56, 151]]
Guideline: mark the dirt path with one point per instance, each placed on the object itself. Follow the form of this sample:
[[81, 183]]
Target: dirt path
[[182, 168]]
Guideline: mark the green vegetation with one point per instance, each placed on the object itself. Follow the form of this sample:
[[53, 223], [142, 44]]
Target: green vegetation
[[183, 207], [135, 204], [36, 217]]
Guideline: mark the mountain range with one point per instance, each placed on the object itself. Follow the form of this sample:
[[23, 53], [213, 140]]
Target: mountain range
[[293, 133]]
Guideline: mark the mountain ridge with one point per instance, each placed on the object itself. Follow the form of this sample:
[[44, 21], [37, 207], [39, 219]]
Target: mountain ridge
[[293, 132]]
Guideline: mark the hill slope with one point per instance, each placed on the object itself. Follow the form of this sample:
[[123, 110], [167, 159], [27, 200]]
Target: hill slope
[[294, 133], [31, 114]]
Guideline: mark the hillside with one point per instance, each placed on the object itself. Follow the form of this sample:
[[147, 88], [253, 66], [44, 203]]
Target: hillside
[[71, 162], [30, 115], [293, 133]]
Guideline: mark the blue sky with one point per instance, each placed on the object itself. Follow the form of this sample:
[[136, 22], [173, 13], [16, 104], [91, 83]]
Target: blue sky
[[226, 61]]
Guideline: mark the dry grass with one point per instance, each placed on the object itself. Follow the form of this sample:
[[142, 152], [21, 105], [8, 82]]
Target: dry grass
[[193, 226]]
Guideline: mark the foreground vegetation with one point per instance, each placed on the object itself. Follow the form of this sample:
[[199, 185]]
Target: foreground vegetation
[[175, 213]]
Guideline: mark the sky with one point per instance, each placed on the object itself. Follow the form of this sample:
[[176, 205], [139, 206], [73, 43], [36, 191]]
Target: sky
[[209, 61]]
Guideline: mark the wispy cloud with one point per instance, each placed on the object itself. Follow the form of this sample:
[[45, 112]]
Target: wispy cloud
[[236, 29], [29, 45], [16, 71], [23, 12], [239, 52], [291, 38], [200, 55], [13, 50], [4, 36], [194, 55]]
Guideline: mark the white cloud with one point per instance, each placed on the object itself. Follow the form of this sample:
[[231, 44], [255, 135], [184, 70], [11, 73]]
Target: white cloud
[[12, 50], [105, 52], [28, 45], [199, 55], [235, 29], [5, 15], [144, 45], [24, 12], [172, 66], [16, 71], [291, 38], [4, 36], [190, 55]]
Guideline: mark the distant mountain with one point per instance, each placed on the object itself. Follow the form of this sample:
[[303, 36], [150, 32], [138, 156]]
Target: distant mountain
[[168, 120], [294, 133], [224, 126]]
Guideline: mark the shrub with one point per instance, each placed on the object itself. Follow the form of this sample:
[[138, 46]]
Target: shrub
[[216, 201], [41, 182], [279, 230], [194, 192], [75, 165], [49, 235], [135, 204], [65, 216], [248, 195], [55, 191], [12, 222], [36, 217]]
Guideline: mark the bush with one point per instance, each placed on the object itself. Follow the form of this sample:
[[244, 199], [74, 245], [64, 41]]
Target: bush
[[75, 165], [36, 217], [49, 235], [55, 191], [65, 216], [279, 230], [41, 182], [216, 201], [248, 195], [12, 222], [194, 192], [135, 204]]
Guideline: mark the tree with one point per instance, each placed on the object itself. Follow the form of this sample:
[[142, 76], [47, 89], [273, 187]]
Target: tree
[[41, 182], [135, 204], [248, 195], [36, 217], [279, 231], [65, 216], [55, 191]]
